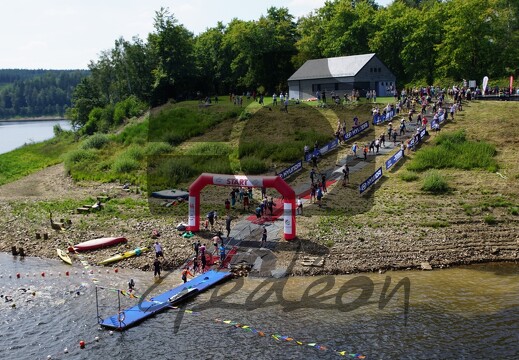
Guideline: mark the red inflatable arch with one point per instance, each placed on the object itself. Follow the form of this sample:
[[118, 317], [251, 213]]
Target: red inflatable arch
[[289, 196]]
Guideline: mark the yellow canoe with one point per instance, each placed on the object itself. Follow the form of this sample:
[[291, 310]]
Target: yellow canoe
[[125, 255], [64, 256]]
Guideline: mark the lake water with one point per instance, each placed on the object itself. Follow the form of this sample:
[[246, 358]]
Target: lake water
[[462, 313], [14, 134]]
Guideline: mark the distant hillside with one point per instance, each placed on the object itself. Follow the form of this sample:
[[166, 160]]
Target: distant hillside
[[35, 93]]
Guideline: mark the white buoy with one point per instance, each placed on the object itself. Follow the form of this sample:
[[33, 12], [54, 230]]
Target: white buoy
[[49, 357], [75, 272], [107, 271], [59, 274], [65, 351], [111, 332], [96, 338]]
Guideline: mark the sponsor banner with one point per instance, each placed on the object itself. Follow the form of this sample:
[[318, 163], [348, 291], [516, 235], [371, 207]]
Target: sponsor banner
[[441, 118], [371, 180], [484, 86], [423, 133], [325, 149], [394, 159], [237, 180], [356, 131], [379, 119], [192, 211], [287, 218], [291, 170], [329, 147]]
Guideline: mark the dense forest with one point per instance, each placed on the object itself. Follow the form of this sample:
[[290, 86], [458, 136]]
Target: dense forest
[[35, 93]]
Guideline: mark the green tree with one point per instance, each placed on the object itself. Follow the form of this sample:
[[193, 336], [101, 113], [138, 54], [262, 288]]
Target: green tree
[[468, 46], [171, 45]]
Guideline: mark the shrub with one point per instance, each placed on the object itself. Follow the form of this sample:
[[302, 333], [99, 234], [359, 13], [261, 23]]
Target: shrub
[[435, 183], [157, 148], [96, 141], [79, 155], [57, 130], [408, 176], [125, 164], [135, 152], [252, 165]]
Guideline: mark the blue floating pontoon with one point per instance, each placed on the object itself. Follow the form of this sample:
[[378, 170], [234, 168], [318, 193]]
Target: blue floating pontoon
[[181, 293]]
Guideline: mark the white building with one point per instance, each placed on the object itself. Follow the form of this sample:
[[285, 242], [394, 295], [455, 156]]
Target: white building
[[341, 75]]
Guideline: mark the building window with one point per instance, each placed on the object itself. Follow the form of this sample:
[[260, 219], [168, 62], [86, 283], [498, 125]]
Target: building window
[[370, 69], [379, 70]]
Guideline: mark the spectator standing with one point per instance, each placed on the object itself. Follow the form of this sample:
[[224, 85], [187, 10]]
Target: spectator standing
[[264, 236], [158, 250], [156, 267], [299, 209], [346, 175]]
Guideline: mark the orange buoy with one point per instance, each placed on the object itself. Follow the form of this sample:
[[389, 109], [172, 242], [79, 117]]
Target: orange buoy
[[17, 275], [43, 274], [116, 270], [67, 273], [82, 344]]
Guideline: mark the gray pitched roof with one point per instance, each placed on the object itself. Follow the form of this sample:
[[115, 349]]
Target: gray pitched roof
[[331, 67]]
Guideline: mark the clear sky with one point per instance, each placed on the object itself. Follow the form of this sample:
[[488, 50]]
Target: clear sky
[[67, 34]]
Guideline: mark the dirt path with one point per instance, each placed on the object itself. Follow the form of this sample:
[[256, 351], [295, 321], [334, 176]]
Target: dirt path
[[50, 184]]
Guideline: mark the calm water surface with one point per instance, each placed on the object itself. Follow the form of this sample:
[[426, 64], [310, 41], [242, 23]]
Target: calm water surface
[[463, 313], [14, 134]]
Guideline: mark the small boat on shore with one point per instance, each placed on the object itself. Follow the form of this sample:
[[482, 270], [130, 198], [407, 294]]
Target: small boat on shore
[[125, 255], [64, 256], [97, 243]]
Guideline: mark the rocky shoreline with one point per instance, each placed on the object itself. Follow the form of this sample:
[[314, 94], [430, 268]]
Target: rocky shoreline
[[350, 249]]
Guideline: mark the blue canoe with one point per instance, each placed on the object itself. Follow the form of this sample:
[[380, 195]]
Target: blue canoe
[[181, 293]]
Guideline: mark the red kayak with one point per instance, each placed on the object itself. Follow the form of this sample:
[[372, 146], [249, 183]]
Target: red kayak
[[98, 243]]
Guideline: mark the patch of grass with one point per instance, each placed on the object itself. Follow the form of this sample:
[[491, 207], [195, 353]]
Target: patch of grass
[[176, 124], [453, 150], [435, 183], [329, 243], [436, 224], [468, 209], [252, 165], [514, 210], [490, 220], [33, 157], [157, 148], [408, 176], [209, 148], [245, 115], [498, 201]]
